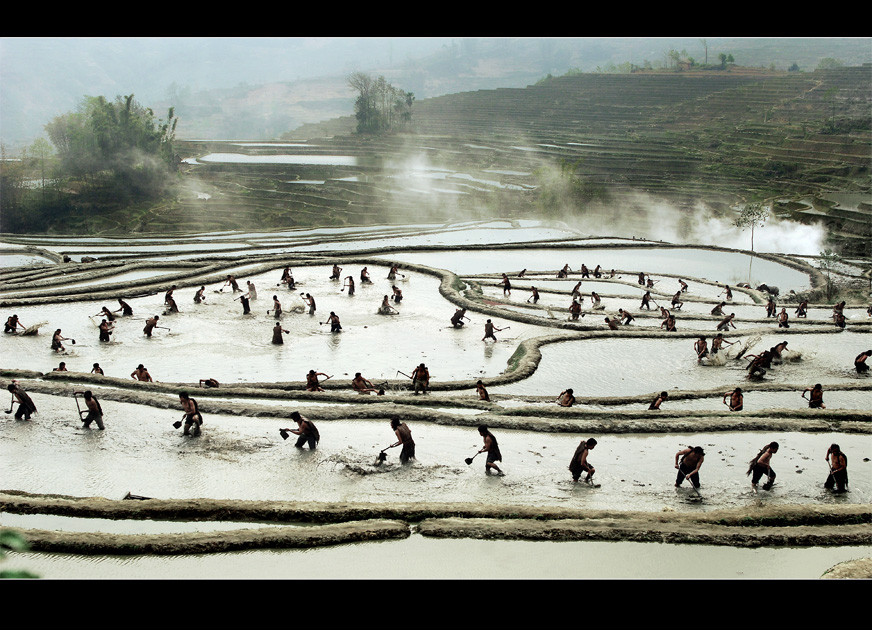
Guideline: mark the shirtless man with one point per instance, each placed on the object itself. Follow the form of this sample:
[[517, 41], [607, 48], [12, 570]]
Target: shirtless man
[[209, 382], [777, 349], [106, 329], [760, 466], [200, 295], [669, 324], [683, 285], [387, 309], [597, 273], [576, 291], [349, 283], [150, 323], [333, 320], [458, 317], [691, 459], [192, 417], [141, 374], [625, 316], [701, 349], [737, 399], [770, 307], [26, 408], [336, 271], [95, 412], [306, 429], [585, 272], [596, 300], [278, 331], [838, 476], [489, 331], [492, 449], [97, 369], [726, 322], [522, 273], [566, 399], [125, 309], [404, 438], [646, 299], [169, 294], [535, 296], [860, 362], [642, 278], [233, 284], [62, 367], [575, 310], [676, 301], [729, 294], [364, 276], [106, 313], [57, 339], [664, 313], [655, 404], [482, 392], [719, 309], [12, 324], [802, 309], [840, 320], [612, 323], [392, 274], [276, 309], [312, 384], [172, 307], [397, 294], [507, 286], [718, 342], [649, 283], [308, 299], [288, 278], [421, 378], [816, 397], [838, 309], [362, 385], [579, 464]]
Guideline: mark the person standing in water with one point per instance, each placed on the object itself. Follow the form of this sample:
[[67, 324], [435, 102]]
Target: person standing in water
[[306, 430], [816, 397], [691, 459], [659, 400], [150, 323], [404, 438], [276, 309], [95, 412], [482, 392], [278, 331], [141, 374], [57, 341], [26, 408], [489, 331], [492, 449], [421, 378], [308, 299], [860, 362], [838, 476], [349, 282], [193, 418], [12, 324], [761, 465], [333, 320], [200, 295], [579, 464], [737, 399]]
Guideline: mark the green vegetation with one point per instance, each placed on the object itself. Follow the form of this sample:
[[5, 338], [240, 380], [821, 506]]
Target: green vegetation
[[379, 106], [109, 154], [827, 262], [14, 542]]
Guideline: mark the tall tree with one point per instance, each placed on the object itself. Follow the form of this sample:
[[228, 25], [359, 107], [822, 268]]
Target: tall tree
[[752, 216]]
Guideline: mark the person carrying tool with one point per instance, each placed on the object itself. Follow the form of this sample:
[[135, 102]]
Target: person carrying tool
[[193, 418], [306, 430], [737, 399], [421, 378], [95, 412], [691, 459], [838, 477], [760, 465], [492, 449], [404, 437], [26, 408], [458, 317], [489, 331], [312, 384], [579, 463]]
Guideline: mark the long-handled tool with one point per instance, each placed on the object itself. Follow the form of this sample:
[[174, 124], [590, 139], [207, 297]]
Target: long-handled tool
[[11, 405], [76, 396], [404, 374], [468, 460]]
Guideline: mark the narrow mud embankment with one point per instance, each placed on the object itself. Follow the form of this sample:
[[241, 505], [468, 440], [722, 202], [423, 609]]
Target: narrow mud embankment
[[337, 523]]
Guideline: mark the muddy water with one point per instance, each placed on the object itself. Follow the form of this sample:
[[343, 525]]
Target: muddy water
[[242, 456]]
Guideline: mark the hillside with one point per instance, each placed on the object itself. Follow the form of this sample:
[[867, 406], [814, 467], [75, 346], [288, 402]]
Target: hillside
[[691, 139]]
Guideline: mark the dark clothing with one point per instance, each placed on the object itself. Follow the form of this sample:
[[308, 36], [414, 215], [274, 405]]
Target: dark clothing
[[760, 470], [309, 435], [575, 466], [838, 479], [683, 469], [245, 307], [25, 404]]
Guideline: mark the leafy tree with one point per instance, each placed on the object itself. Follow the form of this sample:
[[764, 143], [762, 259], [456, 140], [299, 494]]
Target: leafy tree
[[116, 146], [827, 262], [14, 542], [752, 216], [379, 105], [829, 63]]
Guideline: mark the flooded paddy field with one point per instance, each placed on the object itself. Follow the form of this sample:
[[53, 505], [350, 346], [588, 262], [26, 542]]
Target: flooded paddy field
[[241, 459]]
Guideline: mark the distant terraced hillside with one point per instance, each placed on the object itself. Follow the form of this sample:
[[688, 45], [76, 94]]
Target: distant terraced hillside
[[713, 138]]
